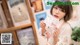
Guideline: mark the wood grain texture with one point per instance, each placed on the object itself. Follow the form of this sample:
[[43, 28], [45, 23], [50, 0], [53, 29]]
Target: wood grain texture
[[15, 28], [7, 13]]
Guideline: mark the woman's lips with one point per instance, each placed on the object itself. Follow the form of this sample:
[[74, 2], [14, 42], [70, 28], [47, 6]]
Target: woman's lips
[[56, 16]]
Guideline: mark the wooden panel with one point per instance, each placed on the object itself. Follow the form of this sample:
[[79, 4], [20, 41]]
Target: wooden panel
[[15, 28], [30, 11], [32, 20], [7, 13], [35, 34], [10, 23], [15, 38]]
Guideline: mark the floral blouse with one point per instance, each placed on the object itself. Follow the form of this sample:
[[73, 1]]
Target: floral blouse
[[65, 35]]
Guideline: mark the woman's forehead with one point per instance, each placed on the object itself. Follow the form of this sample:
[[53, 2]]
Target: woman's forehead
[[59, 6], [56, 6]]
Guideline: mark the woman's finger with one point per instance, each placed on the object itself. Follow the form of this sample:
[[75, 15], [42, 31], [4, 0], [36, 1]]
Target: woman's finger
[[42, 24], [56, 32]]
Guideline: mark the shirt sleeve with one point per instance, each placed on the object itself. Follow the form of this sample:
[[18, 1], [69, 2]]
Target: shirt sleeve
[[65, 36]]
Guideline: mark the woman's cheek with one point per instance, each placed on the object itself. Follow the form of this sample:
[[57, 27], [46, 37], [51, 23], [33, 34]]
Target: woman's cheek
[[61, 16]]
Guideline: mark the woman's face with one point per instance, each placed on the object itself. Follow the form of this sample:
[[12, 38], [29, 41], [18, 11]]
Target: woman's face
[[57, 12]]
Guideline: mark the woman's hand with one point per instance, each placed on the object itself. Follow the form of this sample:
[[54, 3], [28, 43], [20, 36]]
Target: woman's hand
[[56, 34], [42, 25]]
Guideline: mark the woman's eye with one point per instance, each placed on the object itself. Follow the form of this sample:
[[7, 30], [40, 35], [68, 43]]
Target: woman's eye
[[55, 7], [63, 10], [59, 9]]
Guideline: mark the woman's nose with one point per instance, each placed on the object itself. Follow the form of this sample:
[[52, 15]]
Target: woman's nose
[[57, 11]]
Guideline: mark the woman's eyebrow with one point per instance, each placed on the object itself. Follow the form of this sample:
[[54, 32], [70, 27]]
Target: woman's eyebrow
[[56, 7]]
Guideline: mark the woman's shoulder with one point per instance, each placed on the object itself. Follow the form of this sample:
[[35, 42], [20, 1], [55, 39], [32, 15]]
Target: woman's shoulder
[[66, 29], [66, 26]]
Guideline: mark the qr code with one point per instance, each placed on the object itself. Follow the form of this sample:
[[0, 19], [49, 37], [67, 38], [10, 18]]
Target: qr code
[[6, 38]]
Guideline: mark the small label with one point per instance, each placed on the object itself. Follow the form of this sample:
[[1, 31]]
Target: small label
[[6, 38]]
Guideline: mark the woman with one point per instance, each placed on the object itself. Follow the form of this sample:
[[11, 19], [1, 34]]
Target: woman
[[62, 33]]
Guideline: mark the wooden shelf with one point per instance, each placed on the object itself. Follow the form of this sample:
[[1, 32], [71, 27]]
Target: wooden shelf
[[15, 28], [10, 25]]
